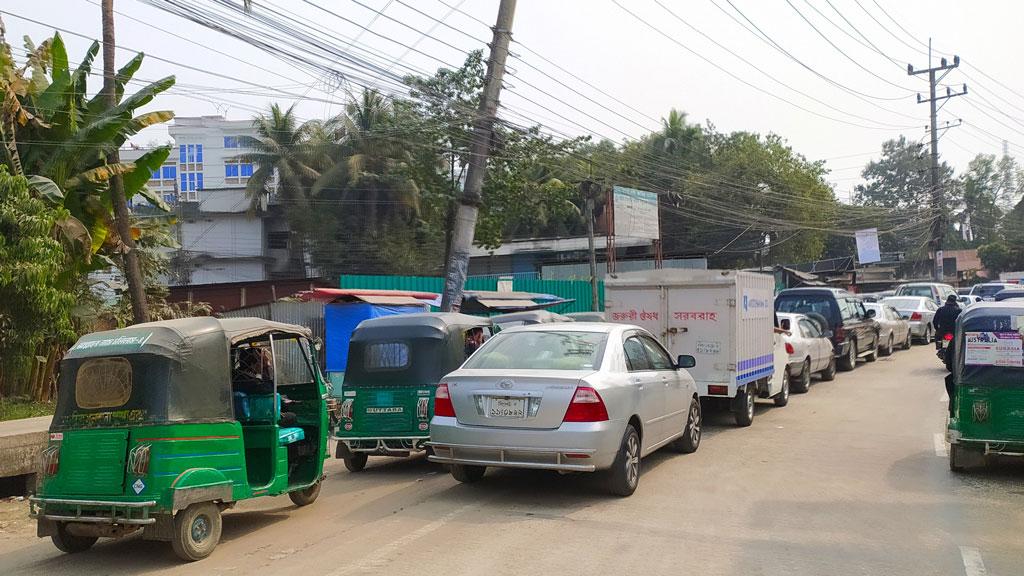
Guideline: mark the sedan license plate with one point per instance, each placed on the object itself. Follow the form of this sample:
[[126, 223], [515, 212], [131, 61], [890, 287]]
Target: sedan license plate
[[506, 408]]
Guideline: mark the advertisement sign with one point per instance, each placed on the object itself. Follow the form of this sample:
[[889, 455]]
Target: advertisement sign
[[867, 246], [635, 213], [994, 349]]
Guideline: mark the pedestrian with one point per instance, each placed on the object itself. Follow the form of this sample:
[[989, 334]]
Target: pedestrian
[[945, 320], [474, 338]]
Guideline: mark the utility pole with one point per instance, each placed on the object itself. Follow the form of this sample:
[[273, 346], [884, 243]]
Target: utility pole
[[589, 187], [469, 204], [122, 220], [938, 197]]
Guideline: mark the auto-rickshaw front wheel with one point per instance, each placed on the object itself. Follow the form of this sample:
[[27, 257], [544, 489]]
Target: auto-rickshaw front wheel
[[69, 543], [306, 496], [196, 531]]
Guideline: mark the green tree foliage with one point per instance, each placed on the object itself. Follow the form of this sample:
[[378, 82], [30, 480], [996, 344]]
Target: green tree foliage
[[979, 194], [1006, 251], [34, 310]]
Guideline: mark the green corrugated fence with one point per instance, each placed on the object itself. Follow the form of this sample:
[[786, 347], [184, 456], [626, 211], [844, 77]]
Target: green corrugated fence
[[576, 290]]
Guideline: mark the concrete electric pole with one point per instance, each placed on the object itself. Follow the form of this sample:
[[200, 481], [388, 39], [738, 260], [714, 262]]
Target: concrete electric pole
[[589, 189], [938, 197], [457, 266]]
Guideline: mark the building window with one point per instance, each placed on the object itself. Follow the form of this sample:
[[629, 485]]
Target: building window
[[182, 157], [169, 171], [199, 181], [190, 157], [199, 153], [237, 172], [277, 240], [231, 141]]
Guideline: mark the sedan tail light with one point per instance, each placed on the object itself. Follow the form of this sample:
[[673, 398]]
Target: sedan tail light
[[586, 406], [916, 316], [443, 402], [789, 349]]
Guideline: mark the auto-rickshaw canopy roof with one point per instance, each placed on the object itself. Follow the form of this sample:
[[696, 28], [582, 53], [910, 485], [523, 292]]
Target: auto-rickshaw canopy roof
[[196, 383], [989, 344], [417, 325]]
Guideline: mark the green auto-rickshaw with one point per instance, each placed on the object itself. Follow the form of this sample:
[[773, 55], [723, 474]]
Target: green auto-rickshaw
[[394, 366], [161, 426], [987, 416]]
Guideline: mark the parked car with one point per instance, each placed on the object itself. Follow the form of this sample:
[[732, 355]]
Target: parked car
[[809, 349], [1010, 293], [968, 300], [587, 316], [854, 330], [893, 328], [919, 312], [937, 292], [988, 290], [963, 290], [876, 296], [574, 397]]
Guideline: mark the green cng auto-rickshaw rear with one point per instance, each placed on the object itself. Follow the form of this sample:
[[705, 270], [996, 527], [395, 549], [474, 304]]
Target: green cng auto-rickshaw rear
[[394, 366], [988, 377], [161, 426]]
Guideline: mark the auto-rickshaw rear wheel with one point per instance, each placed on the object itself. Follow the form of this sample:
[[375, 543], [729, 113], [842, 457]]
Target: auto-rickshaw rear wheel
[[69, 543], [196, 531], [356, 462], [306, 496]]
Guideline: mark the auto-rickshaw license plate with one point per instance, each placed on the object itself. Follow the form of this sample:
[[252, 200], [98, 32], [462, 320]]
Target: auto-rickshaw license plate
[[507, 408]]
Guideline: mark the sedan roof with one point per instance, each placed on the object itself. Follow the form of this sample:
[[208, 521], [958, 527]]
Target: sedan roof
[[605, 327]]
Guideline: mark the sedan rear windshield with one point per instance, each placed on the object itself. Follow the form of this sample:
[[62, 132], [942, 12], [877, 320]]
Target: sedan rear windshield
[[541, 351], [988, 290]]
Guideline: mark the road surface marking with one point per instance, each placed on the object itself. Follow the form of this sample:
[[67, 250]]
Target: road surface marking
[[940, 444], [973, 565], [376, 560], [944, 398]]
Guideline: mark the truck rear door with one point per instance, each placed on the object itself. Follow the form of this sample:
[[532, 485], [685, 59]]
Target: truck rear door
[[699, 319]]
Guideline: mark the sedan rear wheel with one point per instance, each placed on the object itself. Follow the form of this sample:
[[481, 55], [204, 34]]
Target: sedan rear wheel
[[803, 382], [624, 475], [829, 373], [887, 351], [849, 361], [690, 440], [782, 398], [910, 340]]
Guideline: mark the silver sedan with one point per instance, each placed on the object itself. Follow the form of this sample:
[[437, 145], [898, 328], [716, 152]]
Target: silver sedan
[[919, 312], [574, 397], [893, 329]]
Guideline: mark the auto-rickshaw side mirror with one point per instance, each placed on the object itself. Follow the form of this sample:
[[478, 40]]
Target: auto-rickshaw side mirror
[[870, 314], [318, 344]]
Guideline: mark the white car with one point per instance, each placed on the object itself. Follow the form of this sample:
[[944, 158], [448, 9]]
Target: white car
[[571, 397], [919, 311], [809, 349], [893, 329]]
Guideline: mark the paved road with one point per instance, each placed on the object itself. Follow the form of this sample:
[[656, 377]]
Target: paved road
[[848, 479]]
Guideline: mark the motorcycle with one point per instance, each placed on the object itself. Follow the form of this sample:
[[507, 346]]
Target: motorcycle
[[943, 352]]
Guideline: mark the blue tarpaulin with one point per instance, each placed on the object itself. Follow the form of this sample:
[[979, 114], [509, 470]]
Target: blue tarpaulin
[[341, 319]]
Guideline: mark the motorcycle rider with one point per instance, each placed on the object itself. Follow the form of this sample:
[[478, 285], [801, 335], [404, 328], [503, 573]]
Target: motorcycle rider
[[945, 320]]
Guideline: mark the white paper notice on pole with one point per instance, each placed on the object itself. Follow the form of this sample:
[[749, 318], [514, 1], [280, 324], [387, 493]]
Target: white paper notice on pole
[[994, 349], [867, 246]]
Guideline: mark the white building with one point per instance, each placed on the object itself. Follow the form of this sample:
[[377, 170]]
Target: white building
[[221, 239]]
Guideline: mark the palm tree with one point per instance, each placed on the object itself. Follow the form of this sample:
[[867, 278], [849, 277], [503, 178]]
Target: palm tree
[[676, 134], [280, 154]]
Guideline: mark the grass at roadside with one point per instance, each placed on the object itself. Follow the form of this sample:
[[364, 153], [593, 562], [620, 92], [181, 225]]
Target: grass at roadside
[[11, 409]]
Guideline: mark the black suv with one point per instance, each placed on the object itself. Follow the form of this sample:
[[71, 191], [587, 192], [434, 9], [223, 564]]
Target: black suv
[[852, 328]]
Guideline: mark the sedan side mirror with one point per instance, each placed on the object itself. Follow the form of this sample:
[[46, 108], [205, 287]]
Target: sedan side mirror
[[870, 313], [686, 361]]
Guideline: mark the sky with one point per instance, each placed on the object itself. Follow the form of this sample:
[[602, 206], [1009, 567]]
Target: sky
[[827, 75]]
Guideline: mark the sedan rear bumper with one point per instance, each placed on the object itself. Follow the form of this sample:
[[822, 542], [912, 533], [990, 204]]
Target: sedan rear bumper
[[919, 328], [572, 447]]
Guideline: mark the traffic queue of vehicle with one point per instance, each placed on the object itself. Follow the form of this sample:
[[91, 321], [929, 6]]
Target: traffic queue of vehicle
[[160, 427]]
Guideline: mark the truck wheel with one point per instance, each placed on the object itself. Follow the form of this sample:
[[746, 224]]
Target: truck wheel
[[829, 373], [468, 474], [803, 383], [69, 543], [356, 462], [307, 496], [743, 406], [624, 475], [196, 531], [782, 398], [849, 361], [690, 440]]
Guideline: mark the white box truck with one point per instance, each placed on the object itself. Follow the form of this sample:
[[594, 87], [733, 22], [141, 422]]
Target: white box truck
[[725, 319]]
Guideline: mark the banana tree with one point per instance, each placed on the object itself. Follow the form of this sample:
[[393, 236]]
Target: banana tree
[[53, 132]]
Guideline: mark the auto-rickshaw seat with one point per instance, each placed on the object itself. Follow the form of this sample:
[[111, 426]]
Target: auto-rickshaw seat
[[286, 436]]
